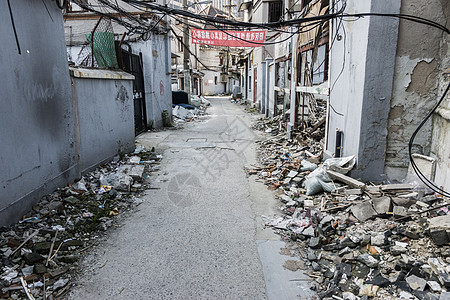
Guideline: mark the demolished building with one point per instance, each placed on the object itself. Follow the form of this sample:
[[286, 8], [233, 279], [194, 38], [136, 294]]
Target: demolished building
[[372, 79]]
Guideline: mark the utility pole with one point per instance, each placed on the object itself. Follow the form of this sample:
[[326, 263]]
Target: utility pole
[[186, 67], [227, 65]]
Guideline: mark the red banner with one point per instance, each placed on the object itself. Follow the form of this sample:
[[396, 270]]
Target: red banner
[[228, 38]]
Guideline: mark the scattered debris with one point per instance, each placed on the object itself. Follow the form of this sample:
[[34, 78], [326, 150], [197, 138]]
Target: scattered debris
[[388, 241], [187, 113], [40, 252]]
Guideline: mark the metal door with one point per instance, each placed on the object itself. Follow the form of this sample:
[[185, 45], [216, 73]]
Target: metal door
[[132, 63]]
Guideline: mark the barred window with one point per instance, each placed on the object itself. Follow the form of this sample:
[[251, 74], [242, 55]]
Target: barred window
[[275, 11]]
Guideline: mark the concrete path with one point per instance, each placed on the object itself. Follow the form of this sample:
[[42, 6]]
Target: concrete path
[[200, 235]]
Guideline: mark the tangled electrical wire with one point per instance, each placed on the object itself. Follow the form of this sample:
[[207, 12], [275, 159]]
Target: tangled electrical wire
[[292, 22], [133, 24], [137, 25]]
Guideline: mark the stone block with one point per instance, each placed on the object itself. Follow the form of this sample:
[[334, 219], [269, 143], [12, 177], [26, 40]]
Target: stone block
[[382, 205], [416, 283], [400, 211], [439, 228], [363, 211]]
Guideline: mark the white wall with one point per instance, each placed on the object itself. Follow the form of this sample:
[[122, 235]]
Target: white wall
[[361, 77], [209, 86]]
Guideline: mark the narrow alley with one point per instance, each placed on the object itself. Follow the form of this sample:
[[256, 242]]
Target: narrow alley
[[225, 149], [198, 233]]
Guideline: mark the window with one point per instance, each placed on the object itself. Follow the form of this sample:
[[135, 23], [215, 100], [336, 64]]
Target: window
[[220, 60], [275, 10], [320, 65], [180, 45], [215, 80]]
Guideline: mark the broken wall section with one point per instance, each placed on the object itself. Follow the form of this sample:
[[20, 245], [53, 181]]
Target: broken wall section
[[419, 66], [103, 100]]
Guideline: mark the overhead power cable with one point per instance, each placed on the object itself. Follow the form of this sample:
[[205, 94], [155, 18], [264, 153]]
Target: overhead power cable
[[187, 48], [281, 23]]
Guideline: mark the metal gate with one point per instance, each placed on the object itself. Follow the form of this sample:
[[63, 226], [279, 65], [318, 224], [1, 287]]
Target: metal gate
[[132, 63]]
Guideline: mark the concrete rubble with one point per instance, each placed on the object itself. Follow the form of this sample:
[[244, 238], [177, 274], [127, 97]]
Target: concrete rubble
[[41, 252], [359, 240], [190, 112]]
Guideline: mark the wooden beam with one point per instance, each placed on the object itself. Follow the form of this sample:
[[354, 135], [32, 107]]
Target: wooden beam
[[347, 180]]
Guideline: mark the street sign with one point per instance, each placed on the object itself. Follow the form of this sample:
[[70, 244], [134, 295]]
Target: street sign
[[229, 38]]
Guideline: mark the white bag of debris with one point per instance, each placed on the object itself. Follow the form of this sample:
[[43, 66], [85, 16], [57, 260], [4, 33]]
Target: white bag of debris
[[307, 166], [319, 181]]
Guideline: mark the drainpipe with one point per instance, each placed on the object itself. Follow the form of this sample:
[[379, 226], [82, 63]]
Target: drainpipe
[[338, 151]]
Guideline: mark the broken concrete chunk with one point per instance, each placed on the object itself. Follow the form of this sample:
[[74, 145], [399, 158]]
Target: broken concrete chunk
[[439, 268], [369, 290], [135, 160], [397, 250], [440, 229], [368, 260], [308, 203], [400, 211], [60, 284], [382, 205], [363, 211], [326, 219], [135, 171], [346, 179], [348, 296], [378, 240], [434, 286], [285, 198], [405, 202], [40, 269], [440, 237], [314, 242], [416, 283], [309, 231], [396, 187], [119, 181]]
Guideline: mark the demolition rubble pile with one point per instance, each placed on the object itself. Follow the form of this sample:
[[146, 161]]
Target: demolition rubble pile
[[39, 253], [185, 112], [358, 240]]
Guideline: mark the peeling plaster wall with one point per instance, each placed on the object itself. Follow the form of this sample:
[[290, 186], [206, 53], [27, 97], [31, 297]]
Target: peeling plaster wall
[[440, 140], [38, 146], [417, 70]]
